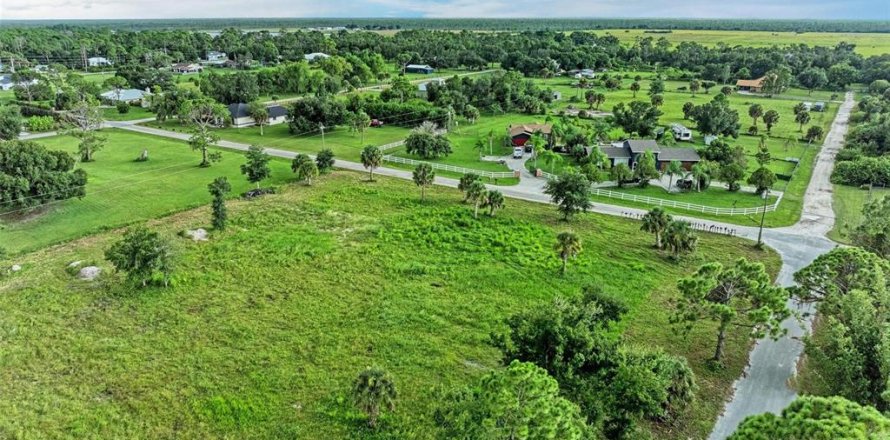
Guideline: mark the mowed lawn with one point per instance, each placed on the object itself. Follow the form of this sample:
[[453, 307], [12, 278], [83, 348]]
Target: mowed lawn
[[867, 44], [267, 324], [847, 203], [121, 191], [344, 143]]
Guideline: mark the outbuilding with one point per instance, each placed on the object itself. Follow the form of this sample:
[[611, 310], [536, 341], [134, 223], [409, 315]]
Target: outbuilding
[[419, 68]]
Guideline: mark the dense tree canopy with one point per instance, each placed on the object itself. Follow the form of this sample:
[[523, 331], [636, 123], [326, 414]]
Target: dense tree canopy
[[31, 175], [816, 418]]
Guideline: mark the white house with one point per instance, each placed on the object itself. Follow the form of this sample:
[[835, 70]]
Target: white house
[[98, 62], [241, 117], [315, 56], [130, 96], [184, 68], [215, 57], [6, 82]]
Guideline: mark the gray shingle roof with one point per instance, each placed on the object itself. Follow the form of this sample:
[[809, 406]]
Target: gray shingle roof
[[615, 152], [678, 154], [642, 145]]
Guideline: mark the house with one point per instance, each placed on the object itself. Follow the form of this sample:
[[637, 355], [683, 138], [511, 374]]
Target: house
[[421, 88], [130, 96], [630, 151], [819, 107], [419, 68], [6, 82], [98, 62], [520, 134], [314, 56], [216, 58], [231, 64], [241, 116], [681, 133], [43, 68], [184, 68], [585, 73], [750, 85]]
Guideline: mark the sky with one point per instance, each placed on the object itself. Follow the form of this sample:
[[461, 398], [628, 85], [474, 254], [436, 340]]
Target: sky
[[769, 9]]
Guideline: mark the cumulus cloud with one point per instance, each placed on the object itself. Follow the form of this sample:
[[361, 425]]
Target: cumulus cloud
[[85, 9]]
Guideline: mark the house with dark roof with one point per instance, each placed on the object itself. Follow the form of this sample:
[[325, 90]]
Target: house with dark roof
[[630, 151], [750, 85], [520, 134], [241, 116]]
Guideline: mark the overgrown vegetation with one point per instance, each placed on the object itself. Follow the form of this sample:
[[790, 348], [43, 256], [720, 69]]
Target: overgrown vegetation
[[394, 291]]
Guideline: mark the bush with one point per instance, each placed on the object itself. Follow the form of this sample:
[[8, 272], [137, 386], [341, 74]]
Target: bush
[[863, 171], [40, 123], [123, 108]]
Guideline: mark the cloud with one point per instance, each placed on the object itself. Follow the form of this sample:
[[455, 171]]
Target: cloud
[[86, 9]]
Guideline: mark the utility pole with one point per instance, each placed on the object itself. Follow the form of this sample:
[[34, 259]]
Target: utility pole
[[321, 126], [762, 218], [83, 57]]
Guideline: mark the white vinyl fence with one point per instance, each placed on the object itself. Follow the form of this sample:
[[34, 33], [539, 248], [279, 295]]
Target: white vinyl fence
[[687, 206], [451, 168]]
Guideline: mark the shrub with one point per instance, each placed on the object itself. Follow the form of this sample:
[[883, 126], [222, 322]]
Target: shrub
[[123, 108], [41, 123]]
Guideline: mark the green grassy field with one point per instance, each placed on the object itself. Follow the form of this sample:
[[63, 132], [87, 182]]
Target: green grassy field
[[111, 114], [866, 44], [353, 274], [345, 144], [713, 196], [847, 203], [121, 191]]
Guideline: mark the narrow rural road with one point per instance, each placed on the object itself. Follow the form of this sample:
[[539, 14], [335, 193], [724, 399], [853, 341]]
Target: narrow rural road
[[772, 364], [764, 385]]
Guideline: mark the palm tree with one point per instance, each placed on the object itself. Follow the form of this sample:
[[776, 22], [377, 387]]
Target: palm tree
[[371, 158], [424, 175], [675, 168], [479, 145], [551, 158], [476, 193], [374, 389], [568, 245], [655, 222], [680, 237], [699, 172], [494, 200]]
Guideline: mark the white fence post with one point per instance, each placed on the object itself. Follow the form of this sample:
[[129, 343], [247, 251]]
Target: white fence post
[[451, 168], [687, 206]]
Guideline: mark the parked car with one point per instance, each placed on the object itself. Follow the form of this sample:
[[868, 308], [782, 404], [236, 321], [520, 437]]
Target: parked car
[[376, 123], [517, 153]]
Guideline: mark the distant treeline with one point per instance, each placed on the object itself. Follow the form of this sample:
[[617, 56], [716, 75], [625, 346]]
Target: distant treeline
[[520, 24]]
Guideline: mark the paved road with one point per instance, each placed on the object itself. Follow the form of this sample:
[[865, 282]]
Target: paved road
[[764, 385]]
